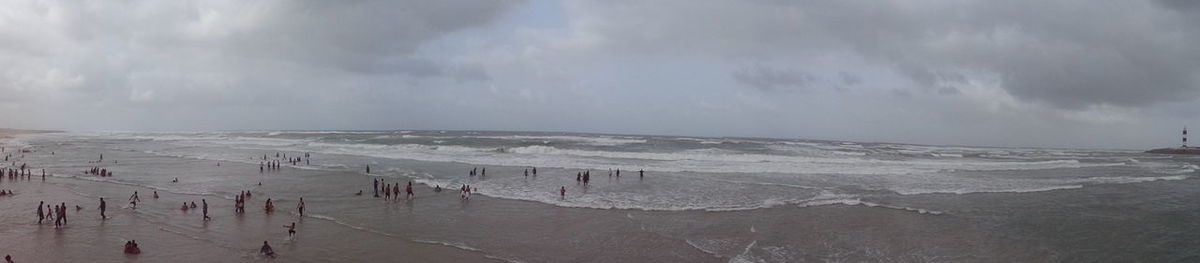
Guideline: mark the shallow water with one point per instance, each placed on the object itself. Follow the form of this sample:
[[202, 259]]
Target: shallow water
[[702, 199]]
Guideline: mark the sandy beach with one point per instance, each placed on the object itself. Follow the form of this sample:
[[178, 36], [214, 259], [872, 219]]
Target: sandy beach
[[517, 218]]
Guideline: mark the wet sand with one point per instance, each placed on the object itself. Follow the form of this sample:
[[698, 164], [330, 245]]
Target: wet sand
[[440, 227], [165, 233]]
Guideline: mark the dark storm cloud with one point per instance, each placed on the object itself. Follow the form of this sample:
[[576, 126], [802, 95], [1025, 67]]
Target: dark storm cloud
[[1069, 54]]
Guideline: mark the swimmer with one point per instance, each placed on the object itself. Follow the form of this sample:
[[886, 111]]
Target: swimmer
[[131, 247], [155, 194], [184, 207]]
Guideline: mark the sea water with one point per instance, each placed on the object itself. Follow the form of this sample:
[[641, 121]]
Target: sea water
[[705, 195]]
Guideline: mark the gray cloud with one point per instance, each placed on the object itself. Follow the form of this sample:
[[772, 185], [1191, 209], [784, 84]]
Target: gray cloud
[[184, 58], [926, 71], [1068, 54], [849, 79], [765, 78]]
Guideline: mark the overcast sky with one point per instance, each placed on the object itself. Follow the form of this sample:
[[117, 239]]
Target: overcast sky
[[1073, 73]]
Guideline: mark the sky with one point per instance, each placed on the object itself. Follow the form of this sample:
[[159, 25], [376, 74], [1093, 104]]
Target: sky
[[1061, 73]]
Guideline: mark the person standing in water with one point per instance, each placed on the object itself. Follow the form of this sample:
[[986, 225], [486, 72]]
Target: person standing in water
[[562, 192], [375, 182], [368, 169], [300, 207], [205, 209], [41, 215], [291, 230], [409, 190], [103, 207], [387, 192], [133, 199], [396, 191], [64, 213]]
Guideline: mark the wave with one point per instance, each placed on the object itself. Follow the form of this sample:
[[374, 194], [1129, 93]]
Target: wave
[[588, 140], [689, 160], [1008, 189], [859, 202]]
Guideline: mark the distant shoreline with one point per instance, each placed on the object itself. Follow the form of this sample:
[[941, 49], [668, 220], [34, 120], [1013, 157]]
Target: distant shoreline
[[1177, 150]]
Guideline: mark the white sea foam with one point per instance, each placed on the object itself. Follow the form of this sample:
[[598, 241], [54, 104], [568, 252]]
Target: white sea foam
[[803, 174], [589, 140]]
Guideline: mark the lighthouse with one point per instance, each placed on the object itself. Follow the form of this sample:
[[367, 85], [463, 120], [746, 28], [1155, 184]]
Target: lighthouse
[[1184, 136]]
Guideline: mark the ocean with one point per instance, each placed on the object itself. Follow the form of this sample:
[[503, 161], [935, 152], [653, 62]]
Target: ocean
[[696, 200]]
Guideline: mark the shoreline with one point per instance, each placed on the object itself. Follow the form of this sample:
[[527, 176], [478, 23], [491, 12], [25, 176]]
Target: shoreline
[[439, 227]]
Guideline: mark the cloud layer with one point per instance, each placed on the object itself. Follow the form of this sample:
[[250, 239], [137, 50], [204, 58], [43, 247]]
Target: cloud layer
[[1060, 73]]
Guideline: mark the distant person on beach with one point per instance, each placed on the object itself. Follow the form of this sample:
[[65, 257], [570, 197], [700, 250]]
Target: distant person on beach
[[375, 186], [641, 173], [300, 207], [41, 215], [396, 191], [437, 189], [193, 204], [176, 180], [526, 172], [368, 168], [103, 207], [8, 259], [409, 190], [131, 247], [387, 192], [266, 250], [535, 171], [562, 192], [184, 207], [155, 194], [205, 203], [291, 230], [269, 206], [133, 199]]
